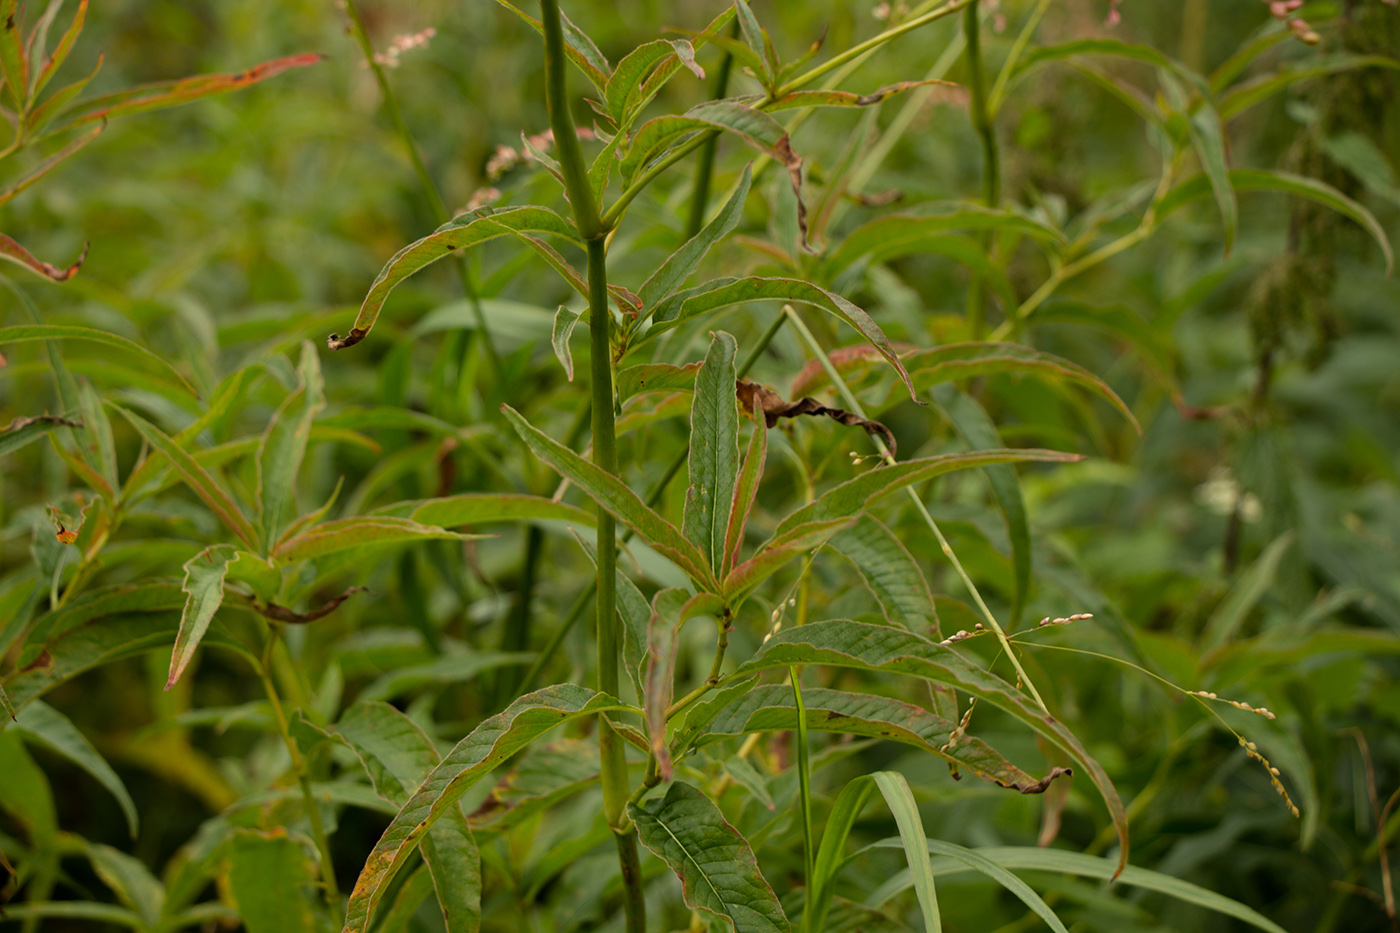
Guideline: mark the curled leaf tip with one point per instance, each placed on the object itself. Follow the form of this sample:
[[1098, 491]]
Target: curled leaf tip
[[337, 342]]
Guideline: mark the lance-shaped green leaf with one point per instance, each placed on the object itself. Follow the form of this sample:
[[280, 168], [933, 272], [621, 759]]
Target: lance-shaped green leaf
[[714, 450], [843, 643], [746, 489], [468, 230], [758, 42], [1060, 862], [1114, 47], [399, 756], [39, 171], [912, 837], [1241, 98], [630, 76], [754, 127], [978, 430], [162, 94], [200, 481], [474, 508], [448, 669], [578, 48], [1208, 139], [57, 733], [284, 445], [204, 593], [564, 321], [771, 708], [1248, 179], [718, 871], [24, 333], [655, 377], [855, 495], [55, 59], [362, 532], [487, 746], [891, 573], [271, 881], [680, 264], [835, 831], [616, 497], [724, 293], [99, 448], [13, 62]]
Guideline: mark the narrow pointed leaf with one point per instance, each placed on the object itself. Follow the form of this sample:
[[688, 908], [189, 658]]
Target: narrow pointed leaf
[[13, 61], [197, 478], [1208, 139], [745, 490], [754, 38], [777, 553], [204, 593], [284, 445], [718, 871], [577, 47], [57, 733], [22, 431], [835, 831], [754, 127], [843, 643], [629, 77], [487, 508], [459, 233], [1246, 95], [680, 264], [913, 838], [39, 171], [614, 496], [59, 55], [831, 98], [714, 450], [271, 882], [351, 533], [487, 746], [655, 377]]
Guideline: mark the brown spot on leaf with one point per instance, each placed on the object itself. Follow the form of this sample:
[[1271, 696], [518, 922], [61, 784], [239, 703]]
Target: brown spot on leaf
[[775, 408], [1038, 787], [43, 661], [283, 614], [38, 419]]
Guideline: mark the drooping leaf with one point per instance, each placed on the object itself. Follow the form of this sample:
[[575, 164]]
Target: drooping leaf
[[891, 573], [201, 483], [489, 744], [724, 293], [347, 534], [714, 450], [614, 496], [57, 733], [718, 871], [22, 333], [284, 445], [843, 643], [468, 230], [1198, 186], [678, 266], [204, 589]]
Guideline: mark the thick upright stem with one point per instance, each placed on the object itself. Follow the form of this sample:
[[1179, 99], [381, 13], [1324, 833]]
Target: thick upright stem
[[594, 232]]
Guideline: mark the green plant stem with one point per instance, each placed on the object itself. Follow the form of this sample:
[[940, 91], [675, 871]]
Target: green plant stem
[[804, 784], [652, 498], [313, 812], [854, 405], [429, 188], [991, 163], [705, 165], [998, 94], [590, 226]]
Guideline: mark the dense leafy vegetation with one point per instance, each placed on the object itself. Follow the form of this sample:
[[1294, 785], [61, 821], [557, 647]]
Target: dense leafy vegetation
[[907, 326]]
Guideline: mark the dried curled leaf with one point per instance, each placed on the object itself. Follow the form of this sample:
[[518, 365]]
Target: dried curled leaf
[[11, 250], [775, 408], [283, 614]]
